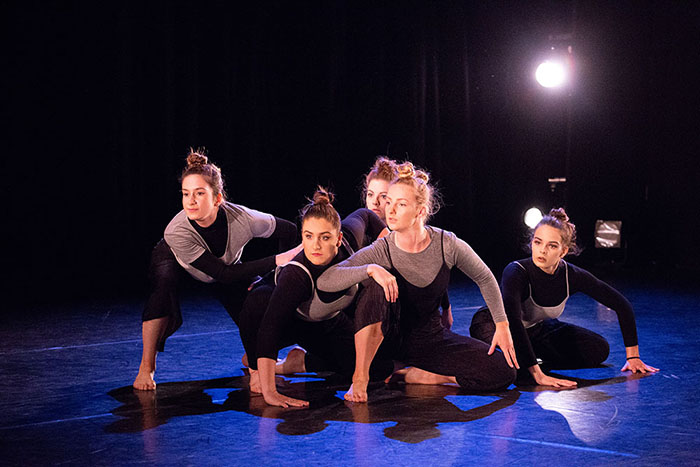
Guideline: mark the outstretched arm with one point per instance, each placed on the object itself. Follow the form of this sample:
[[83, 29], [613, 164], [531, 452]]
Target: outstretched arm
[[470, 264], [515, 289], [601, 292], [230, 273], [354, 269]]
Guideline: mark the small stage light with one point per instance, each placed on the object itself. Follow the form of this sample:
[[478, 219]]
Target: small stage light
[[551, 74], [608, 234], [532, 217]]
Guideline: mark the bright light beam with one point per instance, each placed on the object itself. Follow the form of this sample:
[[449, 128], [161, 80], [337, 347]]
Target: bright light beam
[[532, 217], [551, 74]]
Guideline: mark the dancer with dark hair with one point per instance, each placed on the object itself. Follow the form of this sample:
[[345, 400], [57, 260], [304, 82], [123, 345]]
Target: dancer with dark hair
[[205, 240], [420, 258], [296, 312], [535, 291]]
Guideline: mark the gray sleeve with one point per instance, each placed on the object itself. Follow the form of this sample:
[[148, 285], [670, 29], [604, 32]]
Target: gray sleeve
[[463, 257], [261, 224], [354, 269], [184, 242]]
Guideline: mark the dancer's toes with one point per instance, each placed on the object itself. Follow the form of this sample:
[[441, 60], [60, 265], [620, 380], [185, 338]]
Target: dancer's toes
[[144, 381], [357, 392]]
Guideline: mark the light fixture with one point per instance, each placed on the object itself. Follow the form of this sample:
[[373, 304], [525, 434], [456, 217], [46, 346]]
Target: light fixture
[[551, 74], [608, 234], [532, 217]]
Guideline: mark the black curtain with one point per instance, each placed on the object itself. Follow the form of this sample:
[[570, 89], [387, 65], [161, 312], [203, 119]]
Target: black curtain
[[103, 101]]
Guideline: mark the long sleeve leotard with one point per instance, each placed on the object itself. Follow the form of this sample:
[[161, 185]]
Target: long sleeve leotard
[[523, 280], [295, 287], [420, 268]]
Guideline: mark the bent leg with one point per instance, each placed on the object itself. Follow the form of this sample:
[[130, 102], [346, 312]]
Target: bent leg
[[564, 345], [466, 359], [152, 332], [232, 296], [250, 318], [331, 347], [367, 342], [374, 317], [161, 315], [482, 326]]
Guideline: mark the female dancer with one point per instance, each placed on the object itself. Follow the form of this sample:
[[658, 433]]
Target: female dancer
[[535, 291], [375, 188], [295, 311], [206, 240], [376, 185], [420, 258]]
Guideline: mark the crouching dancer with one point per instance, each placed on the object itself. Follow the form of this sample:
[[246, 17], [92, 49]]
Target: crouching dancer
[[412, 265]]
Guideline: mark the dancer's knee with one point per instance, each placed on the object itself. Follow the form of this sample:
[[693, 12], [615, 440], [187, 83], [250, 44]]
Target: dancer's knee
[[496, 375], [597, 352], [372, 306], [482, 326]]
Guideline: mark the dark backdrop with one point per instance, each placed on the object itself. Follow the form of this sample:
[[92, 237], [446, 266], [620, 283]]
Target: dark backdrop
[[103, 100]]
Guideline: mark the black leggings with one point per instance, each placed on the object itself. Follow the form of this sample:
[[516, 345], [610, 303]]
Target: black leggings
[[559, 345], [165, 275], [432, 347], [330, 344]]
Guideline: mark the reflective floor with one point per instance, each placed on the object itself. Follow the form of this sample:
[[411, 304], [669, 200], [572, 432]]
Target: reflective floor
[[66, 397]]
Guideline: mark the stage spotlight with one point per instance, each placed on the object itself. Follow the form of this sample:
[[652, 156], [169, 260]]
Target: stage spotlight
[[608, 234], [532, 217], [551, 74]]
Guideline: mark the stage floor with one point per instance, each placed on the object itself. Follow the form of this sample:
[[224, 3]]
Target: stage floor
[[67, 397]]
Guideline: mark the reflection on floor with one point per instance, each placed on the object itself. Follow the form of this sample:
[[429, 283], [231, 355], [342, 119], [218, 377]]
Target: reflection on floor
[[66, 397]]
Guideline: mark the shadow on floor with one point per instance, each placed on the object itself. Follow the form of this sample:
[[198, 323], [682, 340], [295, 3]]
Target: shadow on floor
[[416, 410]]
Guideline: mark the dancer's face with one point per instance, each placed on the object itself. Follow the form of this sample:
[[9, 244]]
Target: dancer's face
[[376, 196], [547, 248], [402, 209], [320, 240], [198, 200]]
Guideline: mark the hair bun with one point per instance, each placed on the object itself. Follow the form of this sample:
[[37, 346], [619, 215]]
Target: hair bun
[[384, 168], [197, 157], [406, 170], [323, 196], [559, 214]]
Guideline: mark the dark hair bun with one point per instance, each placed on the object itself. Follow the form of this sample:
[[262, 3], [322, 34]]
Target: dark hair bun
[[559, 214], [197, 157], [323, 196]]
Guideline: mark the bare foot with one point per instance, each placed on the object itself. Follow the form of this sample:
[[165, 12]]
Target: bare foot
[[294, 363], [415, 375], [357, 392], [144, 380], [255, 381], [399, 372]]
